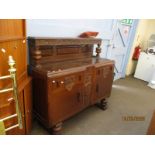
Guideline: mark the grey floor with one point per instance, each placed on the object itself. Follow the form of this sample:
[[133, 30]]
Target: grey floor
[[130, 97]]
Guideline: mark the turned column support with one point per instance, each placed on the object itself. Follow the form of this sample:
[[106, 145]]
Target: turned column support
[[103, 104], [98, 50], [37, 54]]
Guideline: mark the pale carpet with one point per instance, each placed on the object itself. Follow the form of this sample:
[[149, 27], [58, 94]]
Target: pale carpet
[[130, 97]]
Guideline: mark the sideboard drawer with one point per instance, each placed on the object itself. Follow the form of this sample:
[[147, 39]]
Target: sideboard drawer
[[65, 82]]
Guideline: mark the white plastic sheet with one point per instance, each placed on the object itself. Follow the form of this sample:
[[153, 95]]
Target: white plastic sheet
[[152, 80]]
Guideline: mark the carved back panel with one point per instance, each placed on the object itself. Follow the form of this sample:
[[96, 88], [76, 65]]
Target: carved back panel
[[44, 50]]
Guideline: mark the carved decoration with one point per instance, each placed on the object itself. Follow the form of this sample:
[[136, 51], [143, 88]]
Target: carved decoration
[[43, 50], [65, 41], [69, 82], [98, 50], [87, 80]]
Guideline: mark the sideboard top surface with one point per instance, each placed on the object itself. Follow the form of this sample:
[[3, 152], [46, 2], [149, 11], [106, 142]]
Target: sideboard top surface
[[52, 69]]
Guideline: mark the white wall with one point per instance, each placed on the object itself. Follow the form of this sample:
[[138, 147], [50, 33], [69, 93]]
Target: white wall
[[150, 29], [66, 27], [69, 28], [145, 28]]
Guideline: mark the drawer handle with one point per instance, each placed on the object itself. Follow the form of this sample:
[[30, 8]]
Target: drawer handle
[[3, 50], [62, 82], [53, 81]]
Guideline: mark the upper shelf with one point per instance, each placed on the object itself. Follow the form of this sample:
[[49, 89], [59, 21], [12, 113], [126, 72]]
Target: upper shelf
[[45, 50], [43, 41]]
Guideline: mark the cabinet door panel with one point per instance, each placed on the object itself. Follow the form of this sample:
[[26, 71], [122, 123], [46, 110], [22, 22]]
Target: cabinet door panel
[[17, 49], [65, 98], [20, 50], [107, 80], [88, 86], [12, 28], [98, 84], [28, 106], [103, 82]]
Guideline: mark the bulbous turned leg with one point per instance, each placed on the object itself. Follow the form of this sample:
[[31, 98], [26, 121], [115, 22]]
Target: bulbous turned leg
[[56, 130], [103, 104]]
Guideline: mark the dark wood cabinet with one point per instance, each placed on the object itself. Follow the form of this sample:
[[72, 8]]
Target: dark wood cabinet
[[66, 77]]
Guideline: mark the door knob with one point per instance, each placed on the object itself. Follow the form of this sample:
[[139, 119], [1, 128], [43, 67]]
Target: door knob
[[53, 81], [3, 50], [62, 82]]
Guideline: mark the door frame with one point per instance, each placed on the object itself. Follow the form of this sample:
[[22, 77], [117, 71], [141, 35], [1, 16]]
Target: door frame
[[107, 40], [130, 44]]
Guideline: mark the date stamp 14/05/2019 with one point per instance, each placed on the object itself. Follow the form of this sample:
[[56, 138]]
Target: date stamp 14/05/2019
[[133, 118]]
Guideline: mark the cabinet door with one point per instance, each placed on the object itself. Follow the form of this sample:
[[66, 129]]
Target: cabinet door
[[88, 86], [65, 97], [103, 82], [107, 80], [98, 84], [17, 49], [28, 106]]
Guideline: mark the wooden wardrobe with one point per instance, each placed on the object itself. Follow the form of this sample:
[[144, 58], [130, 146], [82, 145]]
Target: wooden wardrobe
[[13, 42]]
